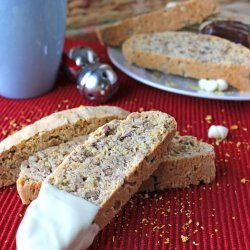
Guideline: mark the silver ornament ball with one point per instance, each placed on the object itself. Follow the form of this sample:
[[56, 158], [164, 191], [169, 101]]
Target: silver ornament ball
[[83, 56], [97, 82]]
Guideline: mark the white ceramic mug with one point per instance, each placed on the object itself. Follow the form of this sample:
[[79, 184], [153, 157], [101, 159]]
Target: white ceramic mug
[[31, 45]]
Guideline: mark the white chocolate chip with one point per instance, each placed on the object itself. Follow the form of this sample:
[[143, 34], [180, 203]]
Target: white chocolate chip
[[208, 85], [217, 132], [213, 85], [213, 132], [170, 5], [222, 84], [202, 83]]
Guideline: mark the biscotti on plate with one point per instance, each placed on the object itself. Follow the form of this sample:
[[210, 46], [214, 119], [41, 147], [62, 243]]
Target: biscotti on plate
[[174, 16], [191, 55], [112, 164], [49, 131], [188, 162]]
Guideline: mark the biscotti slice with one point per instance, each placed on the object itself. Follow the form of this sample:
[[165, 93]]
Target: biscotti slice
[[174, 16], [112, 164], [38, 166], [188, 162], [191, 55], [49, 131]]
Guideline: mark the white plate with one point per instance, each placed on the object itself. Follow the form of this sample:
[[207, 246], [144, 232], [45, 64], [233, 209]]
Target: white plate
[[171, 83]]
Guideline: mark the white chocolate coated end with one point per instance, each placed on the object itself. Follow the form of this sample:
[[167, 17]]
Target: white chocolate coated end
[[57, 220], [217, 132]]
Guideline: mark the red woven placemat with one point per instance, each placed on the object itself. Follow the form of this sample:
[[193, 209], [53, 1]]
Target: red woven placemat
[[214, 216]]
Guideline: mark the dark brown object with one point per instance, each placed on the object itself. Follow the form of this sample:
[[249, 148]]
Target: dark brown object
[[233, 31]]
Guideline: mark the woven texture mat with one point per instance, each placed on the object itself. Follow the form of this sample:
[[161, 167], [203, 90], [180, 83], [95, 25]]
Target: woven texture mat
[[214, 216]]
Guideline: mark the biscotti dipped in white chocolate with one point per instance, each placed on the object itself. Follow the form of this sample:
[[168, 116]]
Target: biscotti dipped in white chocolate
[[52, 130], [112, 164], [188, 162]]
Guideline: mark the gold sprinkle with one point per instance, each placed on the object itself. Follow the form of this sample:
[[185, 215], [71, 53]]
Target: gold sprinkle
[[145, 221], [244, 180], [244, 129], [171, 84], [113, 238], [184, 238], [216, 230], [208, 118], [238, 144], [141, 109], [234, 127], [193, 86], [20, 215], [167, 241]]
